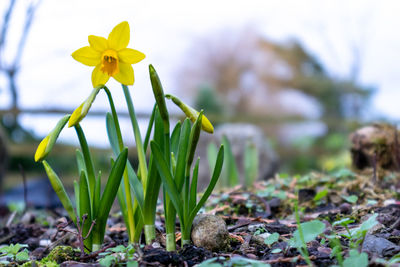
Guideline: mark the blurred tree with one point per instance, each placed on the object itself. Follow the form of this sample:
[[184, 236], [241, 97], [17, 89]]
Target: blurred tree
[[251, 75], [10, 60], [252, 79]]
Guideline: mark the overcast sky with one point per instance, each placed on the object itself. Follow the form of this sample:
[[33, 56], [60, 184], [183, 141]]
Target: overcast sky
[[166, 30]]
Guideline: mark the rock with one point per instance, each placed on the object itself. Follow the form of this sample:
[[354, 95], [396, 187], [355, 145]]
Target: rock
[[239, 135], [210, 232], [380, 247], [375, 143]]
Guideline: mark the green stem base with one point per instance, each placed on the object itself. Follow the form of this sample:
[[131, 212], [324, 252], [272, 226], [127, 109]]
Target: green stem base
[[96, 247], [149, 233], [170, 242], [185, 242]]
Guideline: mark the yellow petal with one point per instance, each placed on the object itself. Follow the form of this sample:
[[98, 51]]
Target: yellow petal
[[87, 55], [125, 74], [41, 150], [119, 36], [99, 77], [98, 43], [130, 56]]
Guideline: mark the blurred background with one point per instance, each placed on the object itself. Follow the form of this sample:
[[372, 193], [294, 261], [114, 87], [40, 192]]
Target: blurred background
[[306, 73]]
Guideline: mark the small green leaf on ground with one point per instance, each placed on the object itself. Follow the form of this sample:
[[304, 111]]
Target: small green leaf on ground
[[351, 199], [271, 239], [356, 259], [310, 231]]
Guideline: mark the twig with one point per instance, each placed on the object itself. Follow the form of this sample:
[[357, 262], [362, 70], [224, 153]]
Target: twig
[[283, 260], [11, 218]]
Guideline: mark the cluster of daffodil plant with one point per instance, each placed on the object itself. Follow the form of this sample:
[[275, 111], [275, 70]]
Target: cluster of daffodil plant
[[168, 165]]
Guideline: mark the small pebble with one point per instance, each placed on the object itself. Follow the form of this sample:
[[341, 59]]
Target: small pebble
[[210, 232], [251, 256], [345, 208], [44, 242], [254, 227]]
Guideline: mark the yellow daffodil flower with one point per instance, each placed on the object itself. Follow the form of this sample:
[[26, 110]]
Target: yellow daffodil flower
[[110, 57], [192, 114]]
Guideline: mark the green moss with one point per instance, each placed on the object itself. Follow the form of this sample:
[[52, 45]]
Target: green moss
[[62, 253], [43, 263]]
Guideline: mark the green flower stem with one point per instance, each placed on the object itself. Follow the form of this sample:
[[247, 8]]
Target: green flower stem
[[126, 177], [88, 162], [138, 138]]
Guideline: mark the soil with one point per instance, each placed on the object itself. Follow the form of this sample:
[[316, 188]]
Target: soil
[[251, 215]]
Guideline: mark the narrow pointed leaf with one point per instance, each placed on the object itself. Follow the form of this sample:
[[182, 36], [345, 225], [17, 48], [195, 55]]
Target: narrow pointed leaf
[[166, 177], [60, 190], [210, 188], [110, 190], [193, 186]]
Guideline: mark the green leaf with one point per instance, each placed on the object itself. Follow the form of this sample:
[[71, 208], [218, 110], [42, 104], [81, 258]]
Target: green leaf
[[210, 188], [310, 230], [80, 162], [134, 181], [182, 154], [60, 191], [76, 193], [166, 177], [365, 226], [250, 163], [22, 256], [277, 250], [149, 128], [231, 167], [84, 200], [110, 191], [159, 95], [356, 259], [212, 152], [272, 238], [193, 140], [343, 222], [351, 199], [321, 194], [84, 208], [175, 136], [112, 133], [193, 186]]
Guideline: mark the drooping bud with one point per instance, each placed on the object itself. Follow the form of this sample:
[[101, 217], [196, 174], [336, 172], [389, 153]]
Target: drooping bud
[[192, 114], [48, 142], [81, 112]]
